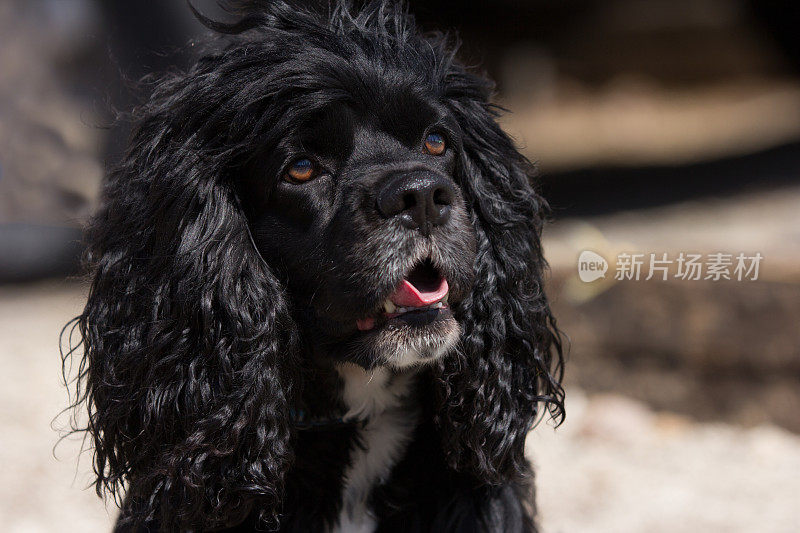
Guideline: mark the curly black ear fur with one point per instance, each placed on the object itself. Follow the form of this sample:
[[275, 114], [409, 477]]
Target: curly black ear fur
[[510, 361], [187, 339]]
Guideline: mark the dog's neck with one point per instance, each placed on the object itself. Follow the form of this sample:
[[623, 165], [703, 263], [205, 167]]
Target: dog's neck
[[369, 393], [345, 393], [379, 398]]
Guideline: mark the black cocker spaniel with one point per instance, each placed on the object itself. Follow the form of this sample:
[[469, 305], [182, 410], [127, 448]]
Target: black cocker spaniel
[[316, 299]]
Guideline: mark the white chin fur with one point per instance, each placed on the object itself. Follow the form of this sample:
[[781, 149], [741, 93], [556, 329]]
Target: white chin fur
[[420, 351]]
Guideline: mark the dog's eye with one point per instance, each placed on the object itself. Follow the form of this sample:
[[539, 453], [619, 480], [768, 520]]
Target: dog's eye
[[301, 170], [434, 144]]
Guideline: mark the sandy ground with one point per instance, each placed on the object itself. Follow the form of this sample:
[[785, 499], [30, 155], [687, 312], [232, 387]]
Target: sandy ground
[[41, 486], [615, 466]]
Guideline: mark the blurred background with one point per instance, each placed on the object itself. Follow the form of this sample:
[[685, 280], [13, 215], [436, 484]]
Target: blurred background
[[658, 126]]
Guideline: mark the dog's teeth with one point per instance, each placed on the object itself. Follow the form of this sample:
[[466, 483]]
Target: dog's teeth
[[444, 300], [390, 308]]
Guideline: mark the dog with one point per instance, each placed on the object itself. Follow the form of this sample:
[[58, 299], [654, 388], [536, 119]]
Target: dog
[[316, 295]]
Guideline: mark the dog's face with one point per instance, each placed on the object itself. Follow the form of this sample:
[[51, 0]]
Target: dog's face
[[359, 212]]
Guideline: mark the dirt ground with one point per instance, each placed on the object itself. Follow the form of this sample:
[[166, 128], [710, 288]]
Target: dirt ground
[[614, 466]]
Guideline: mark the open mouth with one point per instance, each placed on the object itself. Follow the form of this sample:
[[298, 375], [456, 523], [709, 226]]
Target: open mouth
[[418, 300]]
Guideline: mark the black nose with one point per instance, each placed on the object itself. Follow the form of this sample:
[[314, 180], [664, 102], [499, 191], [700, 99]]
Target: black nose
[[421, 201]]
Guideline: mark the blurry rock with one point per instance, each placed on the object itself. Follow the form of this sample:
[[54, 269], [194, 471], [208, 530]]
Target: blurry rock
[[709, 349], [48, 148]]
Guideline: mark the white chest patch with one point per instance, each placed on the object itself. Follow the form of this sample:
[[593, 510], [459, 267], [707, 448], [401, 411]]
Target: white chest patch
[[374, 396]]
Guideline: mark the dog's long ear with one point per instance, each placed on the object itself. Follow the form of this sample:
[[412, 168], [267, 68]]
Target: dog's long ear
[[188, 341], [509, 365]]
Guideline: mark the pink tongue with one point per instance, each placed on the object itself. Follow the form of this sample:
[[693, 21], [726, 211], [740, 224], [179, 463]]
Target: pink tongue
[[407, 295]]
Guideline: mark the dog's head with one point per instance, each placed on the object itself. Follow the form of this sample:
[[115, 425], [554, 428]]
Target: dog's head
[[357, 208], [330, 184]]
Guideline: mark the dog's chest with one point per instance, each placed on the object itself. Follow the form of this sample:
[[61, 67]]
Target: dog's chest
[[375, 396]]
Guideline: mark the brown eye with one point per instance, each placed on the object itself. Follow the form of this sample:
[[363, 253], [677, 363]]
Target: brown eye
[[434, 144], [301, 170]]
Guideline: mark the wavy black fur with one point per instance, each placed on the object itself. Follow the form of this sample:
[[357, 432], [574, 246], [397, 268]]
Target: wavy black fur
[[191, 352]]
